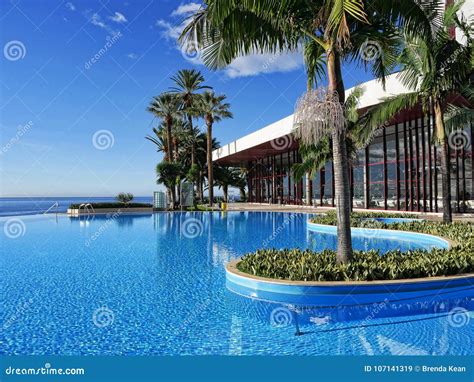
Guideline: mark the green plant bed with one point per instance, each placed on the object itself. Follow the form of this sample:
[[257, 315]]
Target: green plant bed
[[114, 205], [299, 265]]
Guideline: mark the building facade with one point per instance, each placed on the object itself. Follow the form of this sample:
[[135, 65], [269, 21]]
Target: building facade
[[399, 170]]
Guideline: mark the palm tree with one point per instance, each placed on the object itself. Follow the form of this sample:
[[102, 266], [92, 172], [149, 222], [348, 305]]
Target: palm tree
[[187, 85], [436, 68], [168, 174], [159, 140], [229, 177], [332, 29], [165, 106], [213, 109], [315, 157]]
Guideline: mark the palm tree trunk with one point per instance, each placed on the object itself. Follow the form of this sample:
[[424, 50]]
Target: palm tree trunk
[[201, 186], [445, 162], [193, 146], [225, 190], [341, 167], [210, 175], [173, 197], [169, 141], [175, 148]]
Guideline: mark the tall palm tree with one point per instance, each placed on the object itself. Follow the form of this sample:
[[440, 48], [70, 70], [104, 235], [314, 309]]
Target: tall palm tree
[[188, 83], [436, 68], [166, 107], [338, 29], [213, 109]]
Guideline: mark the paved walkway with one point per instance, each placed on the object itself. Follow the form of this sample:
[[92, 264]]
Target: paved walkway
[[467, 217]]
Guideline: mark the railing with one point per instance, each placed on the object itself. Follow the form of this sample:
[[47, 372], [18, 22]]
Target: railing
[[87, 207], [55, 204]]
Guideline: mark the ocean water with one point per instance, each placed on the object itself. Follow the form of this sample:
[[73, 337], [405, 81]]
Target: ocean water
[[155, 285], [32, 206]]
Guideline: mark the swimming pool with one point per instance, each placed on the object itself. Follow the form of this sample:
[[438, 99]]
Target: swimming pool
[[155, 285]]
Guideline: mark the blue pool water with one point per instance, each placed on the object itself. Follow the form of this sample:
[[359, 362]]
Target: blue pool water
[[155, 284]]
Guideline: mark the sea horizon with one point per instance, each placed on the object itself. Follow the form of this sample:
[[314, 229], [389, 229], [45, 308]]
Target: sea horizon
[[33, 205]]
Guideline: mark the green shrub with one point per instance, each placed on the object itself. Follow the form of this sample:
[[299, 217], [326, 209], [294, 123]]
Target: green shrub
[[114, 205], [307, 265], [124, 197]]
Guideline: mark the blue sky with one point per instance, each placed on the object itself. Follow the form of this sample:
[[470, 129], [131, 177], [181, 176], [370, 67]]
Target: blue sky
[[76, 80]]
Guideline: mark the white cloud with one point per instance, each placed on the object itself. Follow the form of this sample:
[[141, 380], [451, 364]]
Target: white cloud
[[132, 56], [255, 64], [170, 31], [118, 18], [70, 6], [97, 21], [186, 9]]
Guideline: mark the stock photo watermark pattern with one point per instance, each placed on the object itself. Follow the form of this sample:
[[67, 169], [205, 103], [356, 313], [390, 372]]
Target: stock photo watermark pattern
[[14, 50], [192, 228], [103, 140], [14, 228], [103, 317]]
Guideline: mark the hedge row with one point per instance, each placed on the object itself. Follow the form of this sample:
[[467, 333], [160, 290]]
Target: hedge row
[[114, 205], [307, 265]]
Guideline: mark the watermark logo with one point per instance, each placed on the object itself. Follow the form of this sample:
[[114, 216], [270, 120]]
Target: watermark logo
[[103, 139], [14, 50], [191, 51], [369, 233], [459, 139], [281, 317], [102, 228], [110, 41], [459, 317], [14, 228], [103, 317], [282, 227], [192, 228], [370, 50], [19, 312], [22, 130], [282, 143]]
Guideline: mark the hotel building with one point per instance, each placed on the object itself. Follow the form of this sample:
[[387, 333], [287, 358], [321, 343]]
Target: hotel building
[[399, 170]]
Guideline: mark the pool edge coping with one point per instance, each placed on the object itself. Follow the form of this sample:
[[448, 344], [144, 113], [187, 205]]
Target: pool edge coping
[[451, 243]]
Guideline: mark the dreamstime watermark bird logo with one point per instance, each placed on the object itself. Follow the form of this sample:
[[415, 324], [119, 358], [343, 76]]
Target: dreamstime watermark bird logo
[[191, 51], [103, 317], [281, 317], [370, 50], [459, 139], [22, 130], [14, 228], [369, 233], [282, 143], [103, 139], [14, 50], [192, 228], [109, 42], [459, 317]]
